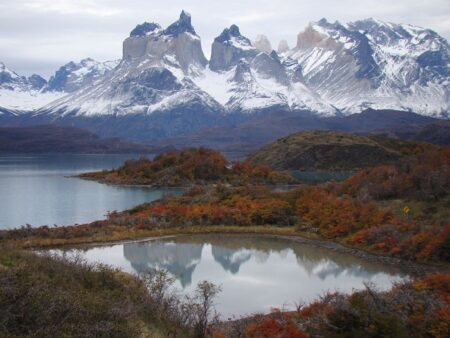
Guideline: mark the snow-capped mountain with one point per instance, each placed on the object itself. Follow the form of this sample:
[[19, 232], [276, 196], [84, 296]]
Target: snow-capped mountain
[[22, 94], [19, 93], [153, 76], [244, 79], [73, 76], [374, 64], [164, 86]]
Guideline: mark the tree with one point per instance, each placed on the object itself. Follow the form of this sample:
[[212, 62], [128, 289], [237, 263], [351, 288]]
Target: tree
[[205, 312]]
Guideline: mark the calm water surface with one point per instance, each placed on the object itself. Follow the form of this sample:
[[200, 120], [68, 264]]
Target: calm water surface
[[36, 190], [256, 273]]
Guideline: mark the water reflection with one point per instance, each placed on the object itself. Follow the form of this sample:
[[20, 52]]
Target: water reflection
[[256, 272], [178, 259], [181, 255]]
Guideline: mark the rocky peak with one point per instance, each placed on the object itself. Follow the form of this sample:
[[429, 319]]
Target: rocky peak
[[294, 69], [343, 41], [73, 76], [229, 47], [176, 46], [283, 47], [229, 33], [242, 71], [312, 37], [183, 25], [269, 66], [7, 75], [36, 81], [262, 43], [144, 29]]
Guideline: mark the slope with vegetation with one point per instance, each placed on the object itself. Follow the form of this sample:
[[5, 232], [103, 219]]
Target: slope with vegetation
[[399, 209], [57, 139], [329, 150], [188, 167], [49, 296]]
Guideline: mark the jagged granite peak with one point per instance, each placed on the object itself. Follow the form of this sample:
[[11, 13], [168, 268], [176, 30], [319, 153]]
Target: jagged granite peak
[[229, 47], [269, 66], [163, 88], [374, 64], [7, 75], [73, 76], [426, 47], [335, 36], [242, 71], [283, 47], [233, 32], [311, 37], [145, 29], [183, 25], [21, 94], [262, 43], [36, 81], [176, 47], [293, 69]]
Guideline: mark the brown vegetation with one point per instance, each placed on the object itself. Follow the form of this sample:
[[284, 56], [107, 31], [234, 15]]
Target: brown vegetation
[[189, 167], [330, 150], [49, 296], [418, 308]]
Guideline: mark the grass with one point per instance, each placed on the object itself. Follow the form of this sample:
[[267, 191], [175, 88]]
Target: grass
[[45, 296], [116, 233]]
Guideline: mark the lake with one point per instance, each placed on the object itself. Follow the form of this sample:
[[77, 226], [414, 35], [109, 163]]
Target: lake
[[256, 273], [320, 176], [38, 190]]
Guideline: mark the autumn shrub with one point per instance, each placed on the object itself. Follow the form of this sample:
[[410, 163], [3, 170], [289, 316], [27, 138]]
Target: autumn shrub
[[425, 176], [274, 325], [187, 167], [411, 309], [41, 296], [49, 296], [337, 216]]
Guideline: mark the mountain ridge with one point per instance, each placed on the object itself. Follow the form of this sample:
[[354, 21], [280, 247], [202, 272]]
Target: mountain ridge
[[165, 83]]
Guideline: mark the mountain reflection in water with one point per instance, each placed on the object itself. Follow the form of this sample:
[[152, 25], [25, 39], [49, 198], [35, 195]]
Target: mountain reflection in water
[[256, 273], [181, 255]]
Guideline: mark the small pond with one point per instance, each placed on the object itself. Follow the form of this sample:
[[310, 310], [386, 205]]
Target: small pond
[[256, 273]]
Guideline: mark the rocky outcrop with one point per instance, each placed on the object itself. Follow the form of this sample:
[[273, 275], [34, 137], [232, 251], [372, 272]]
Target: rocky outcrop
[[37, 82], [262, 43], [73, 76], [269, 66], [283, 47], [178, 45], [230, 47]]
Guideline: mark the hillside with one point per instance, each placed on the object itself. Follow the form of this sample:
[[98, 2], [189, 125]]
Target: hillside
[[437, 132], [56, 139], [248, 136], [329, 150], [194, 166]]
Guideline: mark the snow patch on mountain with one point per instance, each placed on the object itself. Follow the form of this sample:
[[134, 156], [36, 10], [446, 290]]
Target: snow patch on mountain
[[22, 94], [373, 64], [26, 100], [334, 69]]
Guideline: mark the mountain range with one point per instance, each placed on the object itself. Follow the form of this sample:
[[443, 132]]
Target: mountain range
[[164, 87]]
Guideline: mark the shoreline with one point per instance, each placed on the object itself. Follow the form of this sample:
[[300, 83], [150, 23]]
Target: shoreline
[[415, 269]]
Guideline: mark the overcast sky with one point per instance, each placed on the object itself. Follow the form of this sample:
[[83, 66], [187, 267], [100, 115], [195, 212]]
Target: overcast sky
[[38, 36]]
